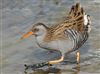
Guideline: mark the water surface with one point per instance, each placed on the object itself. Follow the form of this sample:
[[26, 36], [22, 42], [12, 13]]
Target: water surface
[[17, 18]]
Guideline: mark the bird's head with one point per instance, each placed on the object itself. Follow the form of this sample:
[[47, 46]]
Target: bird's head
[[38, 29]]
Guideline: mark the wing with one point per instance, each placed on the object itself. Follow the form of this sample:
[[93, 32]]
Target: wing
[[81, 19], [77, 19], [79, 32], [80, 26], [79, 38]]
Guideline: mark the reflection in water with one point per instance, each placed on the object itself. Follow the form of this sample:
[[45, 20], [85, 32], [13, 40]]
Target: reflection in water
[[38, 69], [76, 70], [47, 71]]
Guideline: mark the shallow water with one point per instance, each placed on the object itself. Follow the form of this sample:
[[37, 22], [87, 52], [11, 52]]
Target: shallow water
[[17, 18]]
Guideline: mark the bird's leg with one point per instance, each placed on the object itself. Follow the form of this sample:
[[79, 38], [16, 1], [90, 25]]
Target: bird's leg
[[56, 61], [78, 59]]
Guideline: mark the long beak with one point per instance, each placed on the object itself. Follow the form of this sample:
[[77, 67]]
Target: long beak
[[25, 36]]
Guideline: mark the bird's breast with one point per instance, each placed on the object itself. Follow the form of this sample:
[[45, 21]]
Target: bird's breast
[[62, 45]]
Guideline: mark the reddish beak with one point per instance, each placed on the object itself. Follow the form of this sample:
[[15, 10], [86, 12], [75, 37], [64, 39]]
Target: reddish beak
[[25, 36]]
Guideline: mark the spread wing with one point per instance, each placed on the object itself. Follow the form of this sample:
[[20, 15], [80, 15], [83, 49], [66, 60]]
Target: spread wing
[[79, 31], [79, 38], [77, 20]]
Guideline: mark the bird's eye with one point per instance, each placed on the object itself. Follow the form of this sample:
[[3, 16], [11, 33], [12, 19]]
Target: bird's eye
[[36, 29]]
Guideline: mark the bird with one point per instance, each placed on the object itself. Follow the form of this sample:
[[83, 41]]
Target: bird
[[65, 37]]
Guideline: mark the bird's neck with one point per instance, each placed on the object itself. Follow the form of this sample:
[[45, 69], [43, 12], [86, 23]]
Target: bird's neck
[[40, 39]]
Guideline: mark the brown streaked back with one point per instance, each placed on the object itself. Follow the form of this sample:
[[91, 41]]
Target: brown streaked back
[[75, 20]]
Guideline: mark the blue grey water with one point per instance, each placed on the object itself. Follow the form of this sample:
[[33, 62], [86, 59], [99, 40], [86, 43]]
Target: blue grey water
[[17, 18]]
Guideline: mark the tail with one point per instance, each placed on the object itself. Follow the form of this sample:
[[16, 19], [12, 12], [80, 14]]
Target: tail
[[77, 13]]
